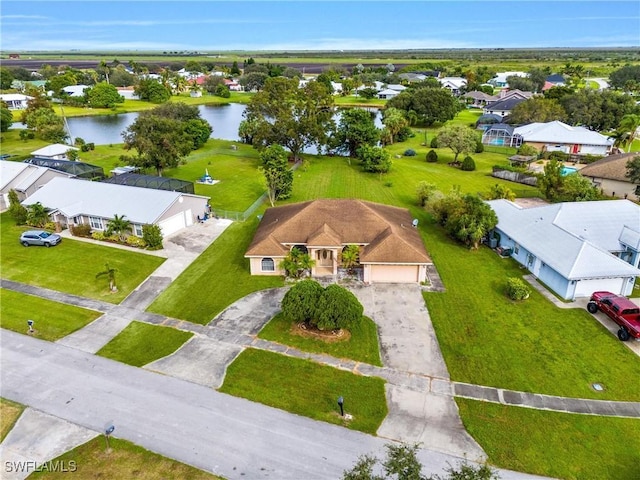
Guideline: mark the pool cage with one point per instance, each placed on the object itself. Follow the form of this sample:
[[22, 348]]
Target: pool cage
[[79, 169], [150, 181], [501, 135]]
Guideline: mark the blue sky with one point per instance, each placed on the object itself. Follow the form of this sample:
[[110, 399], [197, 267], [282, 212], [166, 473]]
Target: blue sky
[[310, 25]]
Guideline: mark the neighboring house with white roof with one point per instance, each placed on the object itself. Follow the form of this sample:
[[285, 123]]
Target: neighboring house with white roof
[[24, 178], [455, 84], [74, 202], [387, 94], [75, 90], [574, 248], [55, 151], [500, 80], [609, 174], [15, 101], [397, 87], [558, 136]]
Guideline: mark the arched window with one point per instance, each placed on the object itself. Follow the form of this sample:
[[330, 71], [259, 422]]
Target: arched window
[[268, 265]]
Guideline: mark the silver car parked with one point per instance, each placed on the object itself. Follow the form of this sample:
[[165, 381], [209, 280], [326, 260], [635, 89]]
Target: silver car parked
[[39, 237]]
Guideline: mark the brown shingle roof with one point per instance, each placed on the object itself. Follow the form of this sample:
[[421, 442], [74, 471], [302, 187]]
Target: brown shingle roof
[[386, 231], [612, 167]]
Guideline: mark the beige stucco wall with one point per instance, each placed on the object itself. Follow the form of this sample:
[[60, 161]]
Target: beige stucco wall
[[616, 188], [197, 205], [255, 266]]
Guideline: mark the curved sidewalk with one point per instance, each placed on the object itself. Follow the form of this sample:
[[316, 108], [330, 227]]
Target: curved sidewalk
[[416, 382]]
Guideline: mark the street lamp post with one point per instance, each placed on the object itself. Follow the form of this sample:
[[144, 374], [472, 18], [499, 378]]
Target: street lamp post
[[340, 404], [30, 323], [108, 431]]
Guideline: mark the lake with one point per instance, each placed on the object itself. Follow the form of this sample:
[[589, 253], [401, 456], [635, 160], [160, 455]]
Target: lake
[[107, 129]]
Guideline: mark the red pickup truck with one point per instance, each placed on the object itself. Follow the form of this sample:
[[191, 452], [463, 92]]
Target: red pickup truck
[[621, 310]]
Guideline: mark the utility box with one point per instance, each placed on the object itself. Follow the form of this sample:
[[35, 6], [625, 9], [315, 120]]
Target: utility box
[[493, 242]]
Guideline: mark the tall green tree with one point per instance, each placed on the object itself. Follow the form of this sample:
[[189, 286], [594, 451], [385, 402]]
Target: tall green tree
[[6, 78], [537, 109], [597, 110], [46, 125], [633, 170], [6, 117], [16, 209], [337, 308], [459, 138], [297, 263], [120, 226], [37, 215], [152, 91], [629, 75], [430, 104], [629, 125], [103, 95], [355, 129], [350, 257], [550, 184], [374, 159], [292, 117], [394, 120], [278, 176]]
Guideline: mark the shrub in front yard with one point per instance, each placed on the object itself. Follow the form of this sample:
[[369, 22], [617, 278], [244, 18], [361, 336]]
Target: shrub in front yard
[[152, 236], [299, 303], [517, 289], [434, 142], [338, 308], [82, 230], [409, 152], [432, 156], [468, 164], [134, 241]]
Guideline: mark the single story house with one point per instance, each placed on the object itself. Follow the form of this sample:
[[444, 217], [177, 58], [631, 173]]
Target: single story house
[[575, 248], [556, 80], [391, 249], [74, 202], [503, 106], [75, 90], [515, 93], [454, 84], [609, 174], [128, 93], [24, 178], [558, 136], [478, 99], [500, 80], [15, 101], [388, 94], [56, 151]]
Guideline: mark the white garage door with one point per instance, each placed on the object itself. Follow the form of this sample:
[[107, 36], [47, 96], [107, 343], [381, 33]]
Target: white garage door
[[585, 288], [394, 273], [172, 224]]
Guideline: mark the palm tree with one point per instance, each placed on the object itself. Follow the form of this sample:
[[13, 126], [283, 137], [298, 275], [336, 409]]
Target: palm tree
[[120, 226], [296, 263], [350, 257], [629, 125], [110, 273], [37, 215]]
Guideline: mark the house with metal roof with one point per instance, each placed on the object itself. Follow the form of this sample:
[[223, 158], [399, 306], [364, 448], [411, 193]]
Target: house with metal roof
[[73, 202], [24, 178], [454, 84], [558, 136], [574, 248], [56, 151], [15, 101], [391, 249], [609, 174]]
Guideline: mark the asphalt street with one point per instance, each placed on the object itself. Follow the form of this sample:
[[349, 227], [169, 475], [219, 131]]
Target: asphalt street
[[191, 423]]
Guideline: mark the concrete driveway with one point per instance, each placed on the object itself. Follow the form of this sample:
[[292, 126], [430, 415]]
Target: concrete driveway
[[408, 343]]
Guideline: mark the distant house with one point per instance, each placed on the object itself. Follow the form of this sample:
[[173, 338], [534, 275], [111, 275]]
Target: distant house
[[397, 87], [56, 151], [24, 178], [556, 80], [506, 93], [232, 85], [391, 249], [484, 122], [454, 84], [478, 99], [128, 93], [502, 107], [500, 80], [15, 101], [574, 248], [388, 94], [74, 202], [75, 90], [413, 77], [609, 174]]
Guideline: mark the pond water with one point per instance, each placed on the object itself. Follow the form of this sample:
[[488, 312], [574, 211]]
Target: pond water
[[107, 129]]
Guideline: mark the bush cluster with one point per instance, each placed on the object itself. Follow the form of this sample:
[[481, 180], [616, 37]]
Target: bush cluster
[[152, 236], [324, 308], [80, 230], [468, 164], [517, 289], [409, 152], [432, 156]]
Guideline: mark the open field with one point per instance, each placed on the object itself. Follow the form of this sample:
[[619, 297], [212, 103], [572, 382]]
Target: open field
[[52, 320], [71, 266], [125, 460], [9, 414], [308, 389], [563, 445], [141, 343]]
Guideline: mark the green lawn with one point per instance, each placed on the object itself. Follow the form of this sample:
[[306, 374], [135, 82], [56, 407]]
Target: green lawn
[[141, 343], [219, 277], [71, 266], [559, 445], [362, 346], [52, 320], [530, 346], [306, 388], [9, 414], [125, 460]]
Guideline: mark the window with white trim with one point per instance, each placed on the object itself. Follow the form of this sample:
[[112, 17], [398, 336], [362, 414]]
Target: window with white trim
[[137, 229], [268, 265], [96, 222]]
